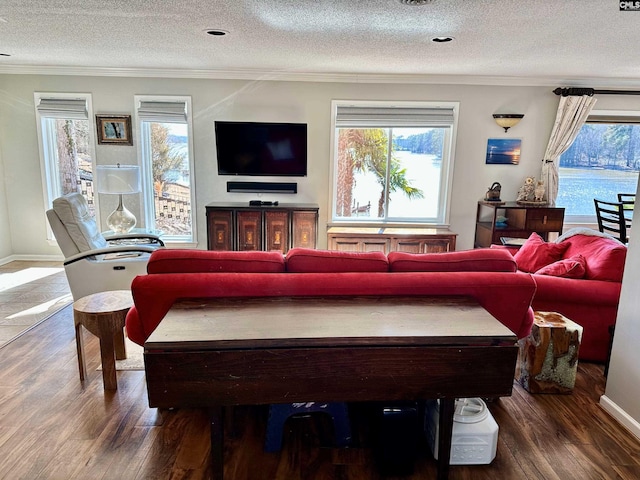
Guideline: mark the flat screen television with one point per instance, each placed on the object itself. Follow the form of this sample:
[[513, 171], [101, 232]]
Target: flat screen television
[[261, 149]]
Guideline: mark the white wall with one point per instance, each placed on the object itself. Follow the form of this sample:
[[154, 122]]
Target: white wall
[[623, 382], [5, 234], [261, 101], [278, 101]]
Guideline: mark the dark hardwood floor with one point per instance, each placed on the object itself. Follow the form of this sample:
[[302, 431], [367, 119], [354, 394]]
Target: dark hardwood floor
[[53, 427]]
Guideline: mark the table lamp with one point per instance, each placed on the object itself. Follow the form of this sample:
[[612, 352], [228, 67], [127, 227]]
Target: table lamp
[[119, 180]]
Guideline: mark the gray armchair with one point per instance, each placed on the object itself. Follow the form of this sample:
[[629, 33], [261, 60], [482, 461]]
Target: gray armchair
[[92, 262]]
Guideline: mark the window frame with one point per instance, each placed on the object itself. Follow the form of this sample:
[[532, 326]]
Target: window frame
[[48, 152], [145, 166], [442, 218], [615, 117]]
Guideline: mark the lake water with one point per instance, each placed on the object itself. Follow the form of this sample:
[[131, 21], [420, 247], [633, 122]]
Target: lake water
[[422, 171], [579, 186]]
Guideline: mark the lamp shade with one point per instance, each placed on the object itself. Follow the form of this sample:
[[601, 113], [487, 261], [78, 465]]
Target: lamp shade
[[118, 179], [507, 120]]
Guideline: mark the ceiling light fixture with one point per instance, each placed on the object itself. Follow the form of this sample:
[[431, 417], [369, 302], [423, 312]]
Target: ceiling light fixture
[[441, 39], [216, 33], [507, 120]]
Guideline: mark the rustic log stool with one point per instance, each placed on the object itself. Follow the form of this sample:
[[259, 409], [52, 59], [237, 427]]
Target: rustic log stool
[[103, 314], [548, 357]]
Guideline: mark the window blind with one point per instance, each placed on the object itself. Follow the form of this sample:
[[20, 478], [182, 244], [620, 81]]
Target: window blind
[[67, 108], [163, 112], [353, 117], [613, 119]]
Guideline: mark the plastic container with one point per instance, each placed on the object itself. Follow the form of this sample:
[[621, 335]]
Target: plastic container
[[475, 432]]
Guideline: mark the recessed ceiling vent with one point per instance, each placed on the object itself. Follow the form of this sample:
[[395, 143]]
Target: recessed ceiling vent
[[216, 32], [416, 2]]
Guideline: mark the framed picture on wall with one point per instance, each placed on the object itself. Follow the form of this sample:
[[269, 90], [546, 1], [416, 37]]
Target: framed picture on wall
[[504, 151], [114, 129]]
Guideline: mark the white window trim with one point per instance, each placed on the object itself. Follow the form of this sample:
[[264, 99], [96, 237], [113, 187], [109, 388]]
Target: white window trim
[[147, 186], [446, 172], [49, 171], [621, 114]]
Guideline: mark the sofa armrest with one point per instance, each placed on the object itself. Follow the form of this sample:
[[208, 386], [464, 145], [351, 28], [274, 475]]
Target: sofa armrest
[[509, 248], [582, 291]]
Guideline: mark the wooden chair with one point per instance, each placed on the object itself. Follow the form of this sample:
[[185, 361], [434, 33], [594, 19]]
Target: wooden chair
[[628, 201], [611, 219]]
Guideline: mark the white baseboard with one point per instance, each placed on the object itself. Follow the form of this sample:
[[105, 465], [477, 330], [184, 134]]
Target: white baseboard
[[620, 415], [31, 258]]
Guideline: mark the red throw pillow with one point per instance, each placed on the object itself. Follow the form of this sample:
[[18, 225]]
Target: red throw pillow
[[574, 267], [536, 253]]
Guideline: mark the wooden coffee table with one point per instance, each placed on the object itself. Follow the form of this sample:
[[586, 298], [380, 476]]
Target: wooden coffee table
[[281, 350]]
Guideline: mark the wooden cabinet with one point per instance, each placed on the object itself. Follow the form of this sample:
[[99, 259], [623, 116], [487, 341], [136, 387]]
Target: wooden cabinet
[[519, 221], [410, 240], [239, 226]]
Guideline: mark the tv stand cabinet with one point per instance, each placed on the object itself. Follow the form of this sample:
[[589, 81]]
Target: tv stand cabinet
[[240, 226]]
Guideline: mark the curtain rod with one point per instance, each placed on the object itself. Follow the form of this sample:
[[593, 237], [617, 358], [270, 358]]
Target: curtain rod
[[574, 91]]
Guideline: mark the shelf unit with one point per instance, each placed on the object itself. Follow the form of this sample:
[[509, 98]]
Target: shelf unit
[[238, 226], [521, 221]]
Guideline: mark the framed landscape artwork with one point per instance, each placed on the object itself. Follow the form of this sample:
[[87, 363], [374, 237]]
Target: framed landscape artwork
[[504, 151], [114, 129]]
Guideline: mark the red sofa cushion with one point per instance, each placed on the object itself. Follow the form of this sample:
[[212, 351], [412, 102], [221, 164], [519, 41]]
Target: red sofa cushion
[[536, 253], [573, 267], [168, 260], [307, 260], [478, 260], [605, 257]]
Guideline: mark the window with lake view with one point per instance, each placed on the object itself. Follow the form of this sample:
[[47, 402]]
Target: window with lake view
[[603, 161], [392, 163]]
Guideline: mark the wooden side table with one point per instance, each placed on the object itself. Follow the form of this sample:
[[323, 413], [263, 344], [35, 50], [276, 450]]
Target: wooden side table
[[548, 360], [103, 314]]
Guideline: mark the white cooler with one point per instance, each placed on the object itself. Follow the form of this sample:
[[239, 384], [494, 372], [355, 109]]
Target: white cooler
[[475, 432]]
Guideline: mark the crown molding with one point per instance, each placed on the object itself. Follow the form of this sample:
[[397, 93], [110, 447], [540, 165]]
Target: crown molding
[[293, 76]]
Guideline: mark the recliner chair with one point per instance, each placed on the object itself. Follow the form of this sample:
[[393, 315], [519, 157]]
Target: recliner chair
[[93, 264]]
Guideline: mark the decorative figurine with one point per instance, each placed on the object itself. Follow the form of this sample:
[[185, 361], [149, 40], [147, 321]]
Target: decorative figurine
[[526, 191], [493, 194], [538, 193]]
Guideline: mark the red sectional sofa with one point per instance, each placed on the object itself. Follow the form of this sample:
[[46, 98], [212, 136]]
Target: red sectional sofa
[[580, 276], [488, 275]]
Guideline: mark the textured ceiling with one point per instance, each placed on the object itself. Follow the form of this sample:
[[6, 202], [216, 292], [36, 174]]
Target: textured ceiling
[[550, 39]]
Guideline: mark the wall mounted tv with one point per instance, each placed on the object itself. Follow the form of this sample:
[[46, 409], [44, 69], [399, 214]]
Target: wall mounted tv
[[261, 149]]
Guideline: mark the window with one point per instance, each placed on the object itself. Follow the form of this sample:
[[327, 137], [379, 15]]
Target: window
[[66, 141], [167, 165], [393, 162], [602, 161]]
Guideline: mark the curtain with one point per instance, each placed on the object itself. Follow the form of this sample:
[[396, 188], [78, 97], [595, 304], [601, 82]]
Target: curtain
[[572, 113]]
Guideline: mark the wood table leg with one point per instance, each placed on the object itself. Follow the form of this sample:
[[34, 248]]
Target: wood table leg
[[216, 418], [107, 355], [447, 409], [118, 341], [82, 366]]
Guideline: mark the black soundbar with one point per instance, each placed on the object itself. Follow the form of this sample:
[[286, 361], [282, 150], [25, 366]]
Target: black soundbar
[[258, 187]]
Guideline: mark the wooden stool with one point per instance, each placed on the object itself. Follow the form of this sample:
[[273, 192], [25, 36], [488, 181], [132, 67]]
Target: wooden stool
[[279, 412], [548, 357], [103, 314]]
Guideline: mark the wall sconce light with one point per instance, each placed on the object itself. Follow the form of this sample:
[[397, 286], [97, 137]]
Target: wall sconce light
[[507, 120], [119, 180]]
